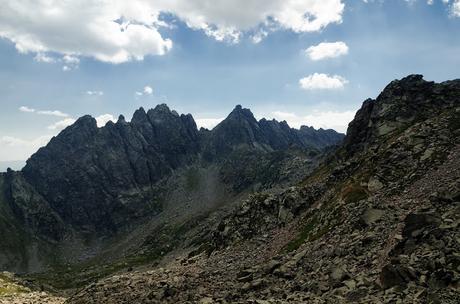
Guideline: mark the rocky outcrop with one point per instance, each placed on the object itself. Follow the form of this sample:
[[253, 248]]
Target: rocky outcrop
[[401, 104]]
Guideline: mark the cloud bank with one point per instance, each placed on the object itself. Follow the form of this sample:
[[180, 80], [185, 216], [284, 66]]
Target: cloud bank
[[119, 31]]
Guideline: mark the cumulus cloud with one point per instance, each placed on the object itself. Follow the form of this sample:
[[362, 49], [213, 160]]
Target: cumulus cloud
[[119, 31], [40, 57], [318, 81], [326, 50], [103, 119], [26, 109], [318, 119], [147, 90], [62, 124], [456, 8], [208, 123]]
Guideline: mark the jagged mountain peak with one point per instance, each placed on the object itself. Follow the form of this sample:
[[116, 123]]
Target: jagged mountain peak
[[241, 113], [162, 107], [139, 116], [121, 119], [402, 103], [86, 121]]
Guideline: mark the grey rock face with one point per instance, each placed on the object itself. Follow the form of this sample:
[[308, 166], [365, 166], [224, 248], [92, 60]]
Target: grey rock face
[[401, 104], [241, 129], [85, 171]]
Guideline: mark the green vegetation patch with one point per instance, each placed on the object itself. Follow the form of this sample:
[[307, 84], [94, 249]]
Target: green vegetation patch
[[354, 193], [8, 287], [303, 236]]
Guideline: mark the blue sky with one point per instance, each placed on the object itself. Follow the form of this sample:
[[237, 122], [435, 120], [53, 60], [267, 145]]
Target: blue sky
[[201, 57]]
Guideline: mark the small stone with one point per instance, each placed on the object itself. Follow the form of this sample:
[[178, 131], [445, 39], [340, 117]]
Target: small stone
[[374, 184], [371, 216], [206, 301]]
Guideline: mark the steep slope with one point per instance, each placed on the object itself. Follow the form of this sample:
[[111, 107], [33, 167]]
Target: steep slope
[[376, 222], [99, 178], [96, 200]]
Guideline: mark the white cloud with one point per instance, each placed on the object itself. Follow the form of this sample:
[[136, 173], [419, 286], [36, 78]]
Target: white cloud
[[318, 119], [61, 124], [26, 109], [326, 50], [53, 113], [103, 119], [95, 93], [208, 123], [119, 31], [148, 90], [14, 148], [259, 36], [456, 8], [71, 59], [319, 81], [43, 112], [70, 62], [40, 57]]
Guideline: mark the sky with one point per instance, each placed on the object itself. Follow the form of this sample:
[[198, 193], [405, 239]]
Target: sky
[[309, 62]]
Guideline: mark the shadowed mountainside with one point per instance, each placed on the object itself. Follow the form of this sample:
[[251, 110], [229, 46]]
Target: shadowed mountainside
[[91, 188]]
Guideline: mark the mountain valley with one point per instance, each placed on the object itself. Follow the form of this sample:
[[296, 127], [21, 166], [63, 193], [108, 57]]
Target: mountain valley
[[156, 211]]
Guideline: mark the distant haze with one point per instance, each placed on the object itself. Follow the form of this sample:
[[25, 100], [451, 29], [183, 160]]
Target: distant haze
[[14, 164]]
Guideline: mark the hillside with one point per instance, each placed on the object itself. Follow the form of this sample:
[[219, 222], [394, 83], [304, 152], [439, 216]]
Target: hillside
[[375, 222]]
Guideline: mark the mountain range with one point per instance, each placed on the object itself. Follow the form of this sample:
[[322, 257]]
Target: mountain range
[[156, 211], [92, 183]]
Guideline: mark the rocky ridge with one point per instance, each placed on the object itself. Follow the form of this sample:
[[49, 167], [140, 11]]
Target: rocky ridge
[[124, 191], [376, 222]]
